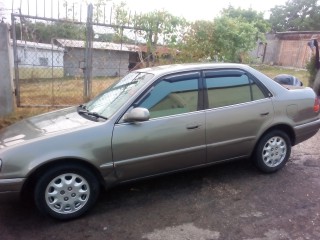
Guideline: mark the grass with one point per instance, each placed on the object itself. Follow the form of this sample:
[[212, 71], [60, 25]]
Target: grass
[[272, 71], [58, 91], [51, 92], [61, 91], [40, 72]]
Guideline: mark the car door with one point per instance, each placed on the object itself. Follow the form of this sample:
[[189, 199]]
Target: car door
[[174, 136], [238, 110]]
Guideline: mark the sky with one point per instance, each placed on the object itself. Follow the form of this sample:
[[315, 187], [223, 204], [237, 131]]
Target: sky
[[201, 9], [190, 9]]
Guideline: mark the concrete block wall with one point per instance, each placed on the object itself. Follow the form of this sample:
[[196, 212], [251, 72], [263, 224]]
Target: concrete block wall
[[6, 80]]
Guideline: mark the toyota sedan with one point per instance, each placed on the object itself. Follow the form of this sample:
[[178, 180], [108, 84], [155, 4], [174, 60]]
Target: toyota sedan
[[153, 121]]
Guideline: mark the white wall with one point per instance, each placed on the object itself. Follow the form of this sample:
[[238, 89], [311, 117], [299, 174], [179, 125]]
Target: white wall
[[31, 55]]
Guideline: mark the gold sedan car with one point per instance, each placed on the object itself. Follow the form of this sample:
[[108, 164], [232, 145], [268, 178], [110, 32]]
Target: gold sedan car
[[151, 122]]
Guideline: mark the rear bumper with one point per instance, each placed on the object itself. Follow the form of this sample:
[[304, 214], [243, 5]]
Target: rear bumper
[[306, 131], [10, 189]]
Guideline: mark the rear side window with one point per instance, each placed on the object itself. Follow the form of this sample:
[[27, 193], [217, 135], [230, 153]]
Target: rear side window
[[228, 88]]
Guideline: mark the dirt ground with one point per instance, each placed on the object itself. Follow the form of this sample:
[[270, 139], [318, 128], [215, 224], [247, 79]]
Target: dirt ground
[[228, 201]]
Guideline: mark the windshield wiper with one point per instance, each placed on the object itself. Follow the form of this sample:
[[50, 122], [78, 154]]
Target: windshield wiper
[[83, 110], [97, 115], [82, 106], [125, 85]]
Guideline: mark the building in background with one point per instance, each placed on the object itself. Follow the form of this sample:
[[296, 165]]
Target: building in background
[[289, 49], [38, 60]]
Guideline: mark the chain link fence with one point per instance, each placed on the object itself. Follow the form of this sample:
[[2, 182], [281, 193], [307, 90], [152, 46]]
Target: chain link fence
[[63, 62]]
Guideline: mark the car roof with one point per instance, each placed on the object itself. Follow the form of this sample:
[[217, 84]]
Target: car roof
[[174, 68]]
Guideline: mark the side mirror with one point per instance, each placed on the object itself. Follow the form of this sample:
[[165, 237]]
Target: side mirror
[[137, 115]]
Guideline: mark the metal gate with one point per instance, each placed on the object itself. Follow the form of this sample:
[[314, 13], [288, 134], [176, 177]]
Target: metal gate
[[63, 61]]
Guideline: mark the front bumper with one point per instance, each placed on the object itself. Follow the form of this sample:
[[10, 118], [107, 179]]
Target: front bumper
[[10, 189], [306, 131]]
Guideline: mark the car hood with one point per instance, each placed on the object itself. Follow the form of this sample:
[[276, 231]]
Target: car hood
[[48, 123]]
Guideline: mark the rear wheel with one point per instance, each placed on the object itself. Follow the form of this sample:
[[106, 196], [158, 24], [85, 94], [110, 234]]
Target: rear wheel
[[66, 191], [272, 151]]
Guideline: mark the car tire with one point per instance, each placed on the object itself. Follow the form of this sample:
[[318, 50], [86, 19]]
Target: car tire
[[66, 191], [272, 152]]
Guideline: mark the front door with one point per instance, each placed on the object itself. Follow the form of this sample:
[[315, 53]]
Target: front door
[[173, 138]]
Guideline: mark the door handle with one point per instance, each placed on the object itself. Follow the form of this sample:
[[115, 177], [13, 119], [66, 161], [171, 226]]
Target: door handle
[[264, 114], [192, 126]]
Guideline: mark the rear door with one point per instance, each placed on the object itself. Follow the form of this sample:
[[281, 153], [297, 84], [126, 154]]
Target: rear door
[[173, 138], [238, 108]]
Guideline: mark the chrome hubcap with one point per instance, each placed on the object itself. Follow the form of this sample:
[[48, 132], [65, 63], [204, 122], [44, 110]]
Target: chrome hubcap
[[67, 193], [274, 151]]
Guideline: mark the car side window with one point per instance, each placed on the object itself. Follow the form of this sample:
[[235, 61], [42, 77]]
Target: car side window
[[229, 89], [172, 96], [256, 91]]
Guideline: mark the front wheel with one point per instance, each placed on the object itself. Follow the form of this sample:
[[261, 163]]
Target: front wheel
[[272, 151], [66, 191]]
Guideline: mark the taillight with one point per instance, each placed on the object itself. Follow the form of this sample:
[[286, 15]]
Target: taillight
[[316, 105]]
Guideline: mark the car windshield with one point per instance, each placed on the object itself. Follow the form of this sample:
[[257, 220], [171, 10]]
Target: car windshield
[[110, 100]]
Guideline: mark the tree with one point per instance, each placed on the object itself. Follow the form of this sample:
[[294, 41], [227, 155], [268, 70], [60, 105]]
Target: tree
[[198, 42], [296, 15], [228, 38], [98, 13], [234, 38], [162, 28], [249, 16], [157, 27], [165, 27], [121, 18], [45, 32]]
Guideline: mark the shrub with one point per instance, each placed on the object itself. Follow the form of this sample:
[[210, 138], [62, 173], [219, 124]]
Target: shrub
[[311, 67]]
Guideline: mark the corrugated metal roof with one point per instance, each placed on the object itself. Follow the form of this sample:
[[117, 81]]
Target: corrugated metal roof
[[22, 43], [161, 50], [98, 45]]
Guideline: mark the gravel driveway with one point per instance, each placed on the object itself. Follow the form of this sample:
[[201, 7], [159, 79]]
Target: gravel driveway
[[227, 201]]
